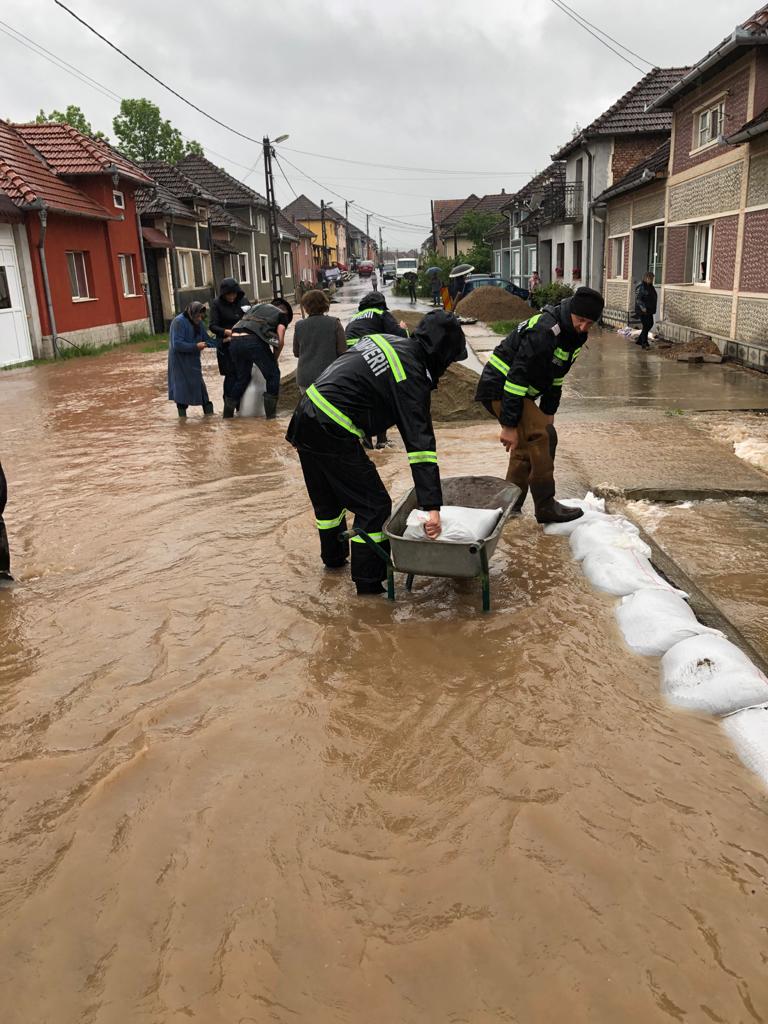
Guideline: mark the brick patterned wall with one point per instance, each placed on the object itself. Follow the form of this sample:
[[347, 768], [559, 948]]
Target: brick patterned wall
[[617, 295], [629, 152], [699, 309], [702, 197], [752, 320], [724, 252], [625, 272], [648, 208], [754, 256], [619, 218], [761, 80], [675, 255], [757, 190], [736, 102]]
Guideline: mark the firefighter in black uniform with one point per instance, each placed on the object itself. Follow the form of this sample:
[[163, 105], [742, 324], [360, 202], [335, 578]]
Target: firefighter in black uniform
[[530, 365], [373, 317], [383, 381]]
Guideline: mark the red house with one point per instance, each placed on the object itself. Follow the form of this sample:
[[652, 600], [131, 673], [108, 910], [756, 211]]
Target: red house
[[83, 249]]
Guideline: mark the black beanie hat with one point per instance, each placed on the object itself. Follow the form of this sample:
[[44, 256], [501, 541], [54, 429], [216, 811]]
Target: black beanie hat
[[588, 303]]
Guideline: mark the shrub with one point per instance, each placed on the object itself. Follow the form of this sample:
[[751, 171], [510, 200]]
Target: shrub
[[551, 294]]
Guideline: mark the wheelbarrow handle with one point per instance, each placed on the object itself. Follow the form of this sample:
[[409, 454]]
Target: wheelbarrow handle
[[379, 550]]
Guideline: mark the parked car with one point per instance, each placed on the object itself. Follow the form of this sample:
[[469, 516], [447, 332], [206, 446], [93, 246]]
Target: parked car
[[492, 281], [365, 268], [388, 272]]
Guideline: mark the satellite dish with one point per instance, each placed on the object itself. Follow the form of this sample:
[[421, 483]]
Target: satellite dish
[[535, 201], [647, 175]]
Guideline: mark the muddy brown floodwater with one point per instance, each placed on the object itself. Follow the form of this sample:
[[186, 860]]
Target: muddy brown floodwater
[[232, 792]]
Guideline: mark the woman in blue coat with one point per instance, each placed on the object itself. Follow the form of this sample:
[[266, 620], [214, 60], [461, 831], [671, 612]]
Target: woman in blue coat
[[185, 373]]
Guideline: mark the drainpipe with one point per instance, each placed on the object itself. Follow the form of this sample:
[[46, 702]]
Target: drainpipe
[[43, 215], [508, 215], [145, 278], [590, 160], [174, 275]]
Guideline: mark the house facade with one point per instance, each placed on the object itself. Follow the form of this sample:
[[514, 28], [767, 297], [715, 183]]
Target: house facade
[[78, 267], [325, 244], [572, 234], [716, 205], [451, 240], [515, 241]]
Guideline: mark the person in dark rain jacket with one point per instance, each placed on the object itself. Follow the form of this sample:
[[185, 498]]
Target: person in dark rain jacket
[[185, 373], [646, 301], [530, 365], [383, 381], [5, 553], [226, 311]]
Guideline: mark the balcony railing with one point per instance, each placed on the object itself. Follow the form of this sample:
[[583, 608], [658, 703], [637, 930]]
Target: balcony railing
[[563, 204]]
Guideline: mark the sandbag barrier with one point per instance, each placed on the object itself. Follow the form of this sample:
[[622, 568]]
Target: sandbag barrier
[[701, 669]]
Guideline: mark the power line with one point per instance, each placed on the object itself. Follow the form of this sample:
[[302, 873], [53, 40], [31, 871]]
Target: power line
[[574, 17], [562, 4], [398, 167], [282, 171]]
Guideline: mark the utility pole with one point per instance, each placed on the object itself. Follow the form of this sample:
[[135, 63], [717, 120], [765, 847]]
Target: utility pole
[[322, 229], [381, 248], [368, 234], [274, 233]]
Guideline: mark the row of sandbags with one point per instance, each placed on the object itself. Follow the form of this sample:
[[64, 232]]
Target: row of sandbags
[[701, 670]]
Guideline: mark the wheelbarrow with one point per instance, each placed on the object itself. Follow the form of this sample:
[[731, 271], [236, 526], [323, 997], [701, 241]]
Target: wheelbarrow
[[455, 559]]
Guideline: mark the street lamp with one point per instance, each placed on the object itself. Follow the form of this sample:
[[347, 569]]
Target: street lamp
[[274, 233]]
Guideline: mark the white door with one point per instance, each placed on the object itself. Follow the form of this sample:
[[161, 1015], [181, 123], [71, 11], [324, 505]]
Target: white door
[[15, 346]]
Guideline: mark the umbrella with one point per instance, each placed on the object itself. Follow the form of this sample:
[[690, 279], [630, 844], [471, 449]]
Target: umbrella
[[461, 270], [434, 270]]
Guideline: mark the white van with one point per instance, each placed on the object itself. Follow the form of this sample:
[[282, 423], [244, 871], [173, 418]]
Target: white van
[[404, 265]]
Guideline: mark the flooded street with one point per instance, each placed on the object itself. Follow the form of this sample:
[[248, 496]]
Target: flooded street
[[233, 792]]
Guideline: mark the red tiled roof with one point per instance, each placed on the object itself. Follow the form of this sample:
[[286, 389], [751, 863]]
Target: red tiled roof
[[9, 211], [757, 25], [218, 182], [443, 208], [28, 180], [630, 115], [69, 152]]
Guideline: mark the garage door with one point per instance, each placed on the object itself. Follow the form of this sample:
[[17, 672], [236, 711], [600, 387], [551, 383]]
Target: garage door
[[15, 346]]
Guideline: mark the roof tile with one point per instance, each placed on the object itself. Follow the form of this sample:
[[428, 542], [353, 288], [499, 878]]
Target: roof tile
[[69, 152], [217, 182]]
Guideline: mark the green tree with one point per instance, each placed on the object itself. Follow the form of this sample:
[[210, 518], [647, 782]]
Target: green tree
[[144, 135], [72, 115], [476, 227]]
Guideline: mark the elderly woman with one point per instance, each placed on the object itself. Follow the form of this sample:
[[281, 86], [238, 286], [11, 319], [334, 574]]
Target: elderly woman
[[185, 374], [317, 341]]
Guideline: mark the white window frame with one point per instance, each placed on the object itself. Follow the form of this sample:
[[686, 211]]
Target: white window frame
[[287, 265], [708, 124], [264, 267], [243, 267], [497, 263], [261, 223], [617, 261], [128, 274], [118, 198], [533, 259], [74, 283], [516, 263], [702, 237], [185, 268]]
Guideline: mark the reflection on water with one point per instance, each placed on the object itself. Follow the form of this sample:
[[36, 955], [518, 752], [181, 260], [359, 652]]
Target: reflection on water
[[233, 792]]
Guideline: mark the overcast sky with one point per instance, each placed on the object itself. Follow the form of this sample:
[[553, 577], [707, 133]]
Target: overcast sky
[[449, 87]]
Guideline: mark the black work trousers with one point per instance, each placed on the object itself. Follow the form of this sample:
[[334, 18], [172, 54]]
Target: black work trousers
[[5, 554], [346, 481], [247, 352], [646, 321]]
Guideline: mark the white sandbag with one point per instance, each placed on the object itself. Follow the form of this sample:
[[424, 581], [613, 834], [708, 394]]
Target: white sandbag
[[620, 572], [566, 529], [710, 674], [252, 402], [748, 731], [589, 503], [616, 533], [464, 525], [652, 621]]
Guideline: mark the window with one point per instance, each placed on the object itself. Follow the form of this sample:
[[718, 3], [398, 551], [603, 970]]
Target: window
[[702, 252], [5, 291], [264, 265], [78, 275], [185, 269], [617, 265], [197, 270], [497, 263], [119, 200], [709, 124], [286, 264], [533, 259], [656, 252], [261, 223], [243, 268], [560, 259], [128, 274], [579, 171], [516, 263], [577, 260]]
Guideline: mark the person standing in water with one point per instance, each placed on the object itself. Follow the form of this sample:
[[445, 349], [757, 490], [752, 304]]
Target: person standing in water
[[646, 302], [226, 311], [185, 372], [5, 553]]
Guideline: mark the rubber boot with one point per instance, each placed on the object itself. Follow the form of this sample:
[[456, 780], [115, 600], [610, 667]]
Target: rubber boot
[[270, 406], [369, 588], [207, 408], [551, 511], [229, 409], [182, 411]]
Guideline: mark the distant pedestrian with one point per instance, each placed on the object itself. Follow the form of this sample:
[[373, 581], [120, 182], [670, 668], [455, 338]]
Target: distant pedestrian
[[226, 311], [5, 554], [534, 282], [317, 341], [188, 338], [646, 303], [435, 286], [410, 280]]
